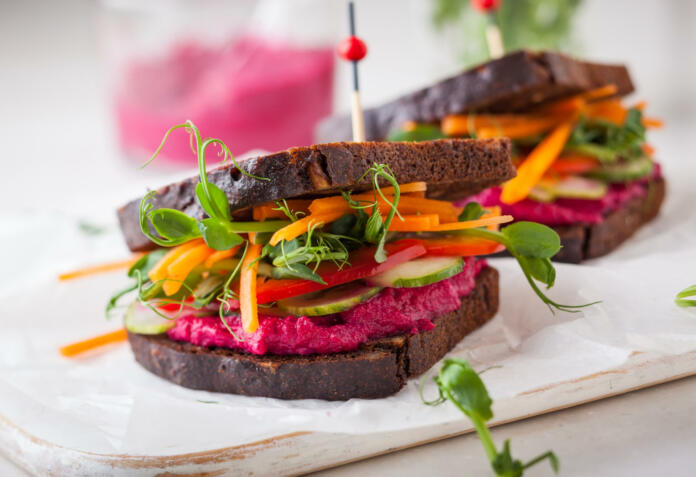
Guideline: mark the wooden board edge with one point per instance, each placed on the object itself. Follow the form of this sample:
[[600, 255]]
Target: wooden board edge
[[252, 457]]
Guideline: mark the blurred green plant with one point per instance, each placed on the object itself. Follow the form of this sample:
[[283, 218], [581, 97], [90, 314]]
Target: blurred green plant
[[533, 24]]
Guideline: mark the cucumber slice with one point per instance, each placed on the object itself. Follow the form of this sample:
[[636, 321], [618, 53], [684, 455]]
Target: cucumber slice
[[329, 301], [572, 187], [418, 272], [142, 320], [624, 171]]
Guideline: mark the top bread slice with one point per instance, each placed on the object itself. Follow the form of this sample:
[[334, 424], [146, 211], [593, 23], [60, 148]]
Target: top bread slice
[[454, 167], [514, 82]]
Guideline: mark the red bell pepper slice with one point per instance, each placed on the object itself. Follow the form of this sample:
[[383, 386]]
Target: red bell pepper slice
[[464, 246], [362, 265]]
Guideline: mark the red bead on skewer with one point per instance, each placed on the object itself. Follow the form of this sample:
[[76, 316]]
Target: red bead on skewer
[[352, 49], [485, 5]]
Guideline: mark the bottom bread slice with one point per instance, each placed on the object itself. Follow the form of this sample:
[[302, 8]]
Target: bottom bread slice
[[581, 242], [377, 369]]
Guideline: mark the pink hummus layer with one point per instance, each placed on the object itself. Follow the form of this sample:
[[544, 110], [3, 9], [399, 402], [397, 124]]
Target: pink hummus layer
[[567, 211], [391, 312]]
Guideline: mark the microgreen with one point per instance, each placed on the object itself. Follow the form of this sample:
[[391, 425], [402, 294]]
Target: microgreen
[[532, 245], [173, 227], [458, 383], [608, 141], [89, 228], [283, 206], [374, 232], [472, 211], [683, 297]]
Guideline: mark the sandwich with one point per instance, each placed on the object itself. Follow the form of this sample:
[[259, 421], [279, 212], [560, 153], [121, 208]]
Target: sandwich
[[333, 271], [584, 166]]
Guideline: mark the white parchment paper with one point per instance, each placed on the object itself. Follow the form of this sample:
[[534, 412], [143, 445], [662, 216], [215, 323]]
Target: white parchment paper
[[108, 404]]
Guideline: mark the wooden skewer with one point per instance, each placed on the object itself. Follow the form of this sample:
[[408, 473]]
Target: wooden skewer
[[357, 112], [495, 41]]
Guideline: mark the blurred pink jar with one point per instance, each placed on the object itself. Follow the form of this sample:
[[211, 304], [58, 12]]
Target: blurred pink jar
[[256, 80]]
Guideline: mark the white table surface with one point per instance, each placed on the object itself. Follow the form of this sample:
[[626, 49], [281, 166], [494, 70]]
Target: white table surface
[[644, 433]]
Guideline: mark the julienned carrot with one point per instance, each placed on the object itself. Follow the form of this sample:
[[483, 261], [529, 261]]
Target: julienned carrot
[[247, 289], [653, 123], [577, 102], [459, 125], [563, 106], [270, 210], [648, 149], [182, 266], [220, 255], [159, 270], [407, 205], [598, 93], [527, 128], [104, 267], [610, 110], [574, 164], [301, 226], [471, 224], [537, 163], [414, 223], [406, 188], [415, 205], [95, 342]]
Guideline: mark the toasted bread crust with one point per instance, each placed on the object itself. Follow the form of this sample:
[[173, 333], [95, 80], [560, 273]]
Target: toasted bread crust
[[453, 167], [582, 242], [515, 82], [377, 369]]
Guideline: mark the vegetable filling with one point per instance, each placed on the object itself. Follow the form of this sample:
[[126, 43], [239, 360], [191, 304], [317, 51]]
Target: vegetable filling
[[318, 275]]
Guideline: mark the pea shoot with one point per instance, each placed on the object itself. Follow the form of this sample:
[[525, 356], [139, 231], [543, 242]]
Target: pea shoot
[[458, 383], [532, 245], [685, 297]]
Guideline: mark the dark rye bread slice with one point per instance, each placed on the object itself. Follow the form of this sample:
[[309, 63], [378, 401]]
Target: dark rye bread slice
[[582, 242], [377, 369], [452, 167], [515, 82]]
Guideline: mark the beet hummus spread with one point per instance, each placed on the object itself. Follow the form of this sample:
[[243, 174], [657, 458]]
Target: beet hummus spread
[[391, 312], [568, 211]]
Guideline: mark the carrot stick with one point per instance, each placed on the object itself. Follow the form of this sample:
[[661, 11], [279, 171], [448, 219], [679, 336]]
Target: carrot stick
[[601, 92], [537, 163], [471, 224], [95, 342], [159, 270], [406, 188], [530, 127], [414, 223], [182, 265], [491, 124], [563, 106], [648, 149], [301, 226], [247, 289], [104, 267], [270, 210], [653, 123], [220, 255]]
